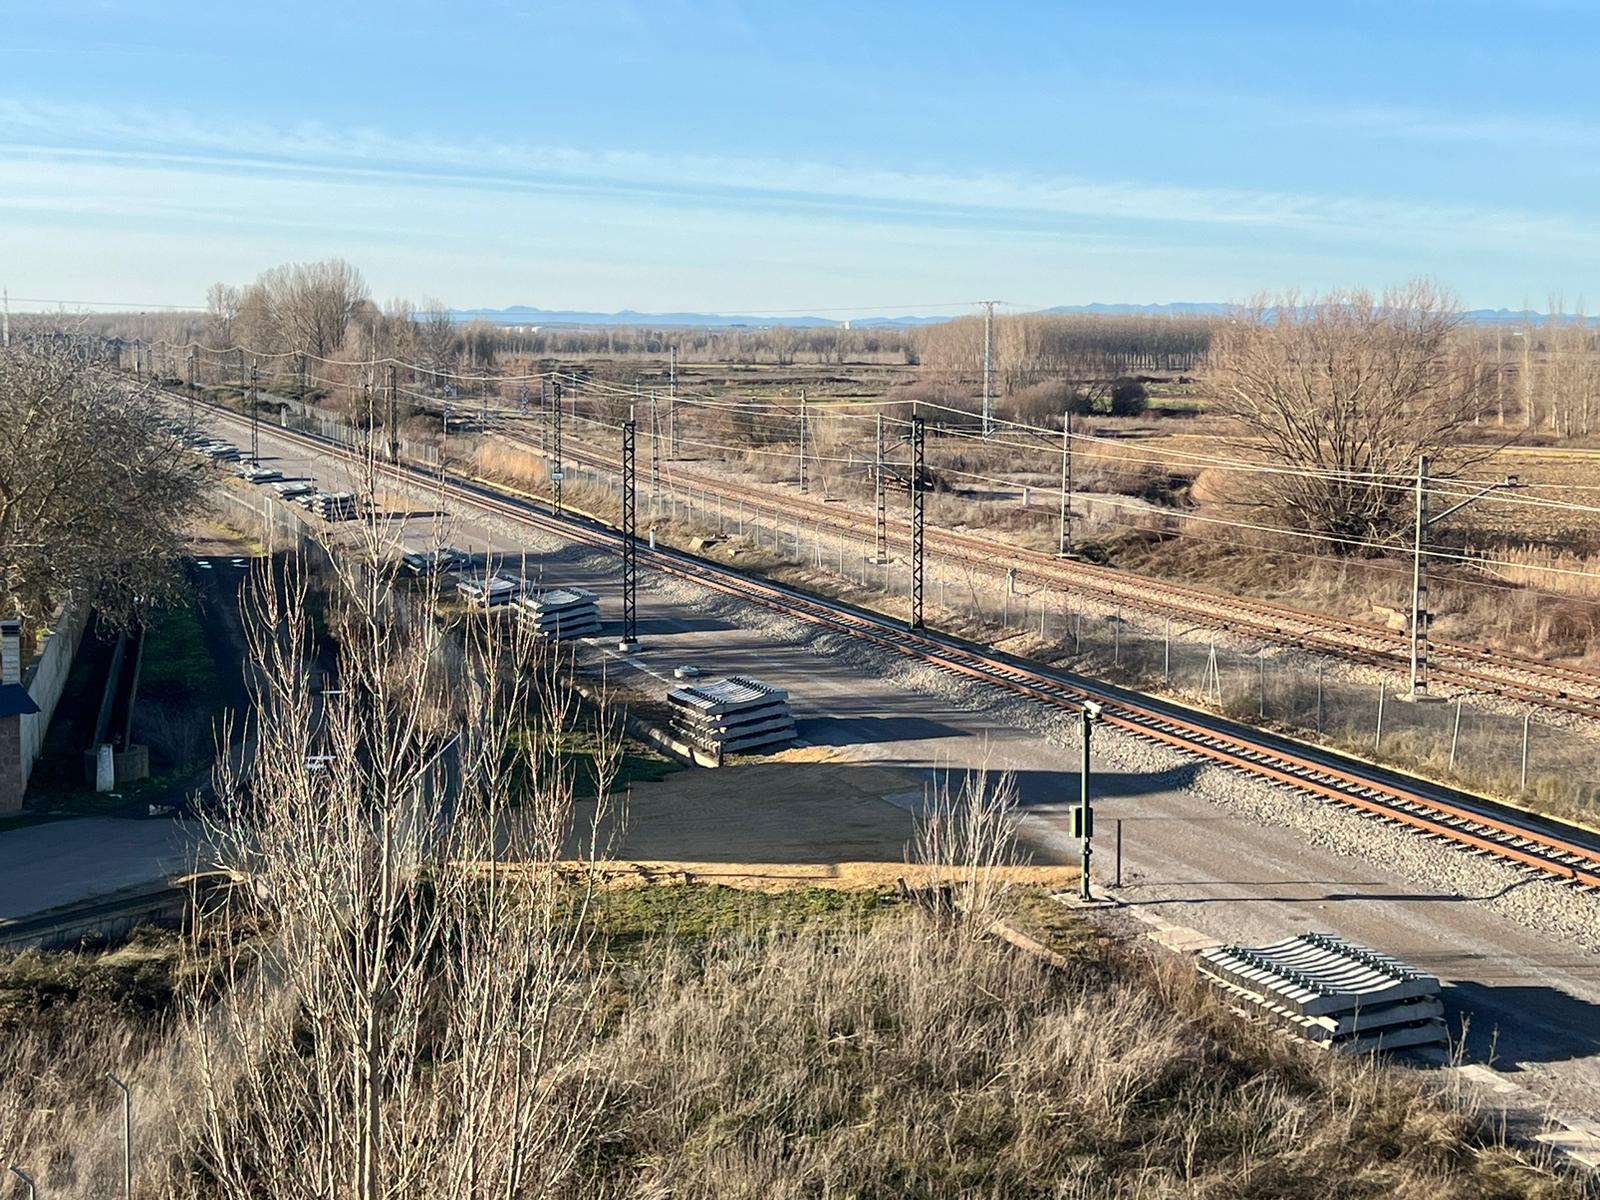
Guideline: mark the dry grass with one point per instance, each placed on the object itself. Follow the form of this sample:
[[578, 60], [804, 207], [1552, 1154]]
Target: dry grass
[[815, 1044], [893, 1060]]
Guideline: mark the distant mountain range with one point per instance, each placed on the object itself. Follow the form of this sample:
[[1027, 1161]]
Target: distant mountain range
[[521, 314]]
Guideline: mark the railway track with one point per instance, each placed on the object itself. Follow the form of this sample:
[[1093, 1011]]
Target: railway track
[[1540, 846], [1469, 669]]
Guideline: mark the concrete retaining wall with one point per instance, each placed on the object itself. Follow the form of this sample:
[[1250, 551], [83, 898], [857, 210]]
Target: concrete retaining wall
[[46, 679]]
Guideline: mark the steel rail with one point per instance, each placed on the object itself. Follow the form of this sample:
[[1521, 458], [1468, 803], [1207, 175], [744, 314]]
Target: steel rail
[[1352, 640], [1539, 844]]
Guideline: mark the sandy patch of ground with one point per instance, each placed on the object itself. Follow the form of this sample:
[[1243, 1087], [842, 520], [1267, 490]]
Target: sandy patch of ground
[[784, 877]]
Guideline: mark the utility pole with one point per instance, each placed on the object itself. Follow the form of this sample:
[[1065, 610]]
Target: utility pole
[[1083, 815], [802, 441], [1420, 616], [879, 503], [1419, 587], [988, 366], [255, 418], [655, 458], [394, 415], [193, 353], [630, 542], [1064, 550], [127, 1136], [556, 473], [672, 405], [916, 521]]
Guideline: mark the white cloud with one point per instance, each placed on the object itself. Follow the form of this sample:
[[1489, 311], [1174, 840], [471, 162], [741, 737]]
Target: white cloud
[[173, 140]]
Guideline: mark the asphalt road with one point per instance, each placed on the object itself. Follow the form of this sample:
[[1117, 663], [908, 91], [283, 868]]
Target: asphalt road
[[1534, 999]]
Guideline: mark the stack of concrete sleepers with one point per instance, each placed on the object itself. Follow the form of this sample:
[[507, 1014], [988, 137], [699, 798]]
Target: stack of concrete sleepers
[[733, 714], [563, 612], [333, 506], [491, 590], [1332, 992]]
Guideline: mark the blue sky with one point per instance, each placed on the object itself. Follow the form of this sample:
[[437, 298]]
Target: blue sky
[[744, 157]]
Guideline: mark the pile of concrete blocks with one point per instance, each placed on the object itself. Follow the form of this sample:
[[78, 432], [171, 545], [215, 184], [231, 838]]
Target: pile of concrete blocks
[[733, 714], [563, 612], [333, 506], [492, 590], [1335, 993]]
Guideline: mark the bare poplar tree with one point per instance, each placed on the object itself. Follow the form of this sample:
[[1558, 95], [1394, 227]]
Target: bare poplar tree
[[1348, 390], [222, 310]]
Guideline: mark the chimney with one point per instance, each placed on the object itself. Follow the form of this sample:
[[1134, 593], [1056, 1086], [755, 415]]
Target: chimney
[[10, 652]]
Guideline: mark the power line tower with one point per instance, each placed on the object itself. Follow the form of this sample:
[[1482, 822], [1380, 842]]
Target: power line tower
[[803, 488], [630, 542], [394, 416], [916, 521], [988, 365], [556, 473], [255, 418], [1064, 549], [544, 414], [881, 553], [1421, 618], [672, 406], [655, 457]]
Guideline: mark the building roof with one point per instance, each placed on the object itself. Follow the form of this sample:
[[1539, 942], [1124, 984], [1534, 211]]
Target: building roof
[[15, 701]]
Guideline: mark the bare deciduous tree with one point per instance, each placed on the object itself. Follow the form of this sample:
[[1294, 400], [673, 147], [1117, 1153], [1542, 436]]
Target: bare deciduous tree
[[94, 494], [311, 305], [1347, 390], [223, 302], [418, 1016]]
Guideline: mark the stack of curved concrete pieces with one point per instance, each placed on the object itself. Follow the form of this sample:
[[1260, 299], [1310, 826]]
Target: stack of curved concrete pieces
[[491, 590], [733, 714], [333, 506], [563, 612], [1332, 992]]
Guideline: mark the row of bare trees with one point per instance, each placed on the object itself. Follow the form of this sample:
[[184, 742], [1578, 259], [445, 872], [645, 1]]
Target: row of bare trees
[[1547, 374], [1031, 348]]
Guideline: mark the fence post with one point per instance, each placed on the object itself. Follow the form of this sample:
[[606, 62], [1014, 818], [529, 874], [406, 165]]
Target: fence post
[[1319, 697], [1116, 639], [1455, 734], [1119, 853], [1261, 682], [1377, 737], [1166, 656], [1527, 719]]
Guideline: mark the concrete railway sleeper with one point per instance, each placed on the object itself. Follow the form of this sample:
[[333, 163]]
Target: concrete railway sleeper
[[1472, 823]]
